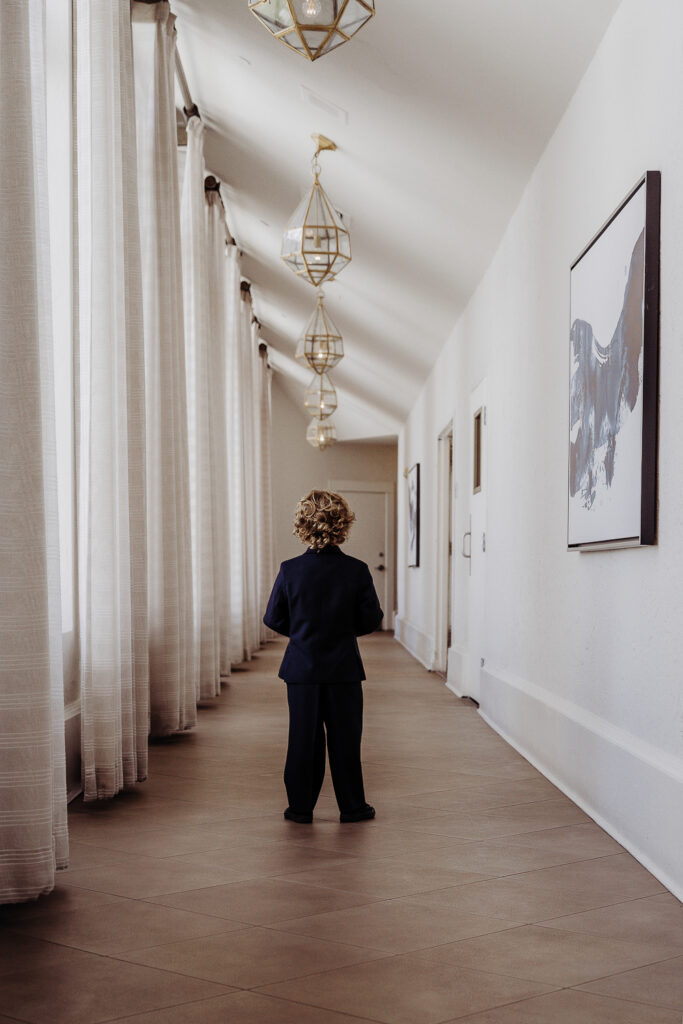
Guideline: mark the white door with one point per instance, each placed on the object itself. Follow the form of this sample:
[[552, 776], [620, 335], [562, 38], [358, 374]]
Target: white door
[[372, 535], [444, 557], [476, 611]]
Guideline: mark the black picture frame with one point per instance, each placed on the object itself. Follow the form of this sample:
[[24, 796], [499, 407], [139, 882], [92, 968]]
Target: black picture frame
[[413, 477], [612, 466]]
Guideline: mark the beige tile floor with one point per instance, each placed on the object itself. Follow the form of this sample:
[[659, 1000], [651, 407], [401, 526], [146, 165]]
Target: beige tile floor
[[479, 894]]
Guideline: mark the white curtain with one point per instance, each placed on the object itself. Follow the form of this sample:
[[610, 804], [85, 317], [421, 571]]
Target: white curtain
[[234, 432], [243, 529], [266, 550], [33, 831], [203, 480], [110, 408], [172, 664], [219, 401], [251, 469]]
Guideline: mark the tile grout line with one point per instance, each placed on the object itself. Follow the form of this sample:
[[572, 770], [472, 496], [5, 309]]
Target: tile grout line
[[174, 807]]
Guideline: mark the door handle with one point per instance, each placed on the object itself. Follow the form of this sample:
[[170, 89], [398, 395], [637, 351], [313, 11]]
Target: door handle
[[467, 554], [380, 568]]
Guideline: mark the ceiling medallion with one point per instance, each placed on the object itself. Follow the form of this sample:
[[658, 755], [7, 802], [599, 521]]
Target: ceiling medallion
[[313, 27], [321, 345], [321, 434], [316, 246]]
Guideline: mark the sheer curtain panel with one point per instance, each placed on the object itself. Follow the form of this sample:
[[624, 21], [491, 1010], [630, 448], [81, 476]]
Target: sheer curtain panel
[[237, 456], [219, 400], [203, 479], [251, 469], [244, 430], [110, 408], [266, 552], [172, 664], [33, 831]]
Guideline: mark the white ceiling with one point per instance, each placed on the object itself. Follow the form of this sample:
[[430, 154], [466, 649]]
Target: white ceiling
[[445, 107]]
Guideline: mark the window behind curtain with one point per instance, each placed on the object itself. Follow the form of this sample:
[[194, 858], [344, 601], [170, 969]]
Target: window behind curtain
[[59, 142]]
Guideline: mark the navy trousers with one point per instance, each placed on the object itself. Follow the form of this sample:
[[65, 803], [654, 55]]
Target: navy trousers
[[335, 709]]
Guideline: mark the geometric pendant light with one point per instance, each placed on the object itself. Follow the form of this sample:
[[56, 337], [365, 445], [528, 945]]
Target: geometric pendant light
[[313, 27], [316, 246], [320, 346], [321, 434], [321, 397]]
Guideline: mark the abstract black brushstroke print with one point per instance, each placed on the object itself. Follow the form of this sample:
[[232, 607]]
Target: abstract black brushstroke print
[[605, 386]]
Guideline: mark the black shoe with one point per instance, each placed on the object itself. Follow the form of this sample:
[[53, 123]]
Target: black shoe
[[301, 819], [364, 814]]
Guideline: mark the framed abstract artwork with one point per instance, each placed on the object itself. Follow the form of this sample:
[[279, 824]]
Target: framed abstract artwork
[[414, 515], [613, 379]]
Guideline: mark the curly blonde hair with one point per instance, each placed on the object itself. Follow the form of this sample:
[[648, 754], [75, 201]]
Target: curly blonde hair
[[322, 518]]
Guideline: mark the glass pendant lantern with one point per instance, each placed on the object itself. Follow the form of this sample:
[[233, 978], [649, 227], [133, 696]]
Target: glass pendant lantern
[[320, 346], [313, 27], [321, 434], [321, 396], [316, 246]]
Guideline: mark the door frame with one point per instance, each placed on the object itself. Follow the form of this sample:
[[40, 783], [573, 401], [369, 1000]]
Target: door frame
[[388, 489], [444, 536]]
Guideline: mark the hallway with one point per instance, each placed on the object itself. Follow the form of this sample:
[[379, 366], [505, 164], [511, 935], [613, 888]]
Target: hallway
[[479, 894]]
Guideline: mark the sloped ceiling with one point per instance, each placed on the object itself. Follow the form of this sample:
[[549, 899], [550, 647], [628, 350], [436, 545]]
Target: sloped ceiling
[[440, 111]]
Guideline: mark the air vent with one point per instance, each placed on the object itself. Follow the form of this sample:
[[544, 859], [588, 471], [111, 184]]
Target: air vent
[[327, 105]]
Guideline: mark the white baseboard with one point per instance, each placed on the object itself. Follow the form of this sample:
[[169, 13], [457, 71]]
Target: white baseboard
[[632, 790], [417, 643]]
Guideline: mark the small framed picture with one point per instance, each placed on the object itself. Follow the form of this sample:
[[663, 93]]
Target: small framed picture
[[414, 515], [614, 344]]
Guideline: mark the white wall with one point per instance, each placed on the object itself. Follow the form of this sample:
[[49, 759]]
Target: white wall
[[584, 652], [298, 468]]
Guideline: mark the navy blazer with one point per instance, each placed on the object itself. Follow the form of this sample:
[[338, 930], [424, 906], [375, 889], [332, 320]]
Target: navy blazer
[[322, 601]]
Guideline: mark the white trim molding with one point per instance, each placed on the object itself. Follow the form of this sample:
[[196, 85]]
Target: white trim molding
[[455, 675], [377, 487], [417, 643], [443, 538], [631, 789]]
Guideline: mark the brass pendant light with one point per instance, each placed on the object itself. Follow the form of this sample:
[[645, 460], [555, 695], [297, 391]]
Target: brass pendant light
[[321, 396], [320, 346], [321, 434], [313, 27], [316, 246]]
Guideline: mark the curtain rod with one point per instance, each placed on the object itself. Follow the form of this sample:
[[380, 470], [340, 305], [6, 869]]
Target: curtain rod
[[189, 105]]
